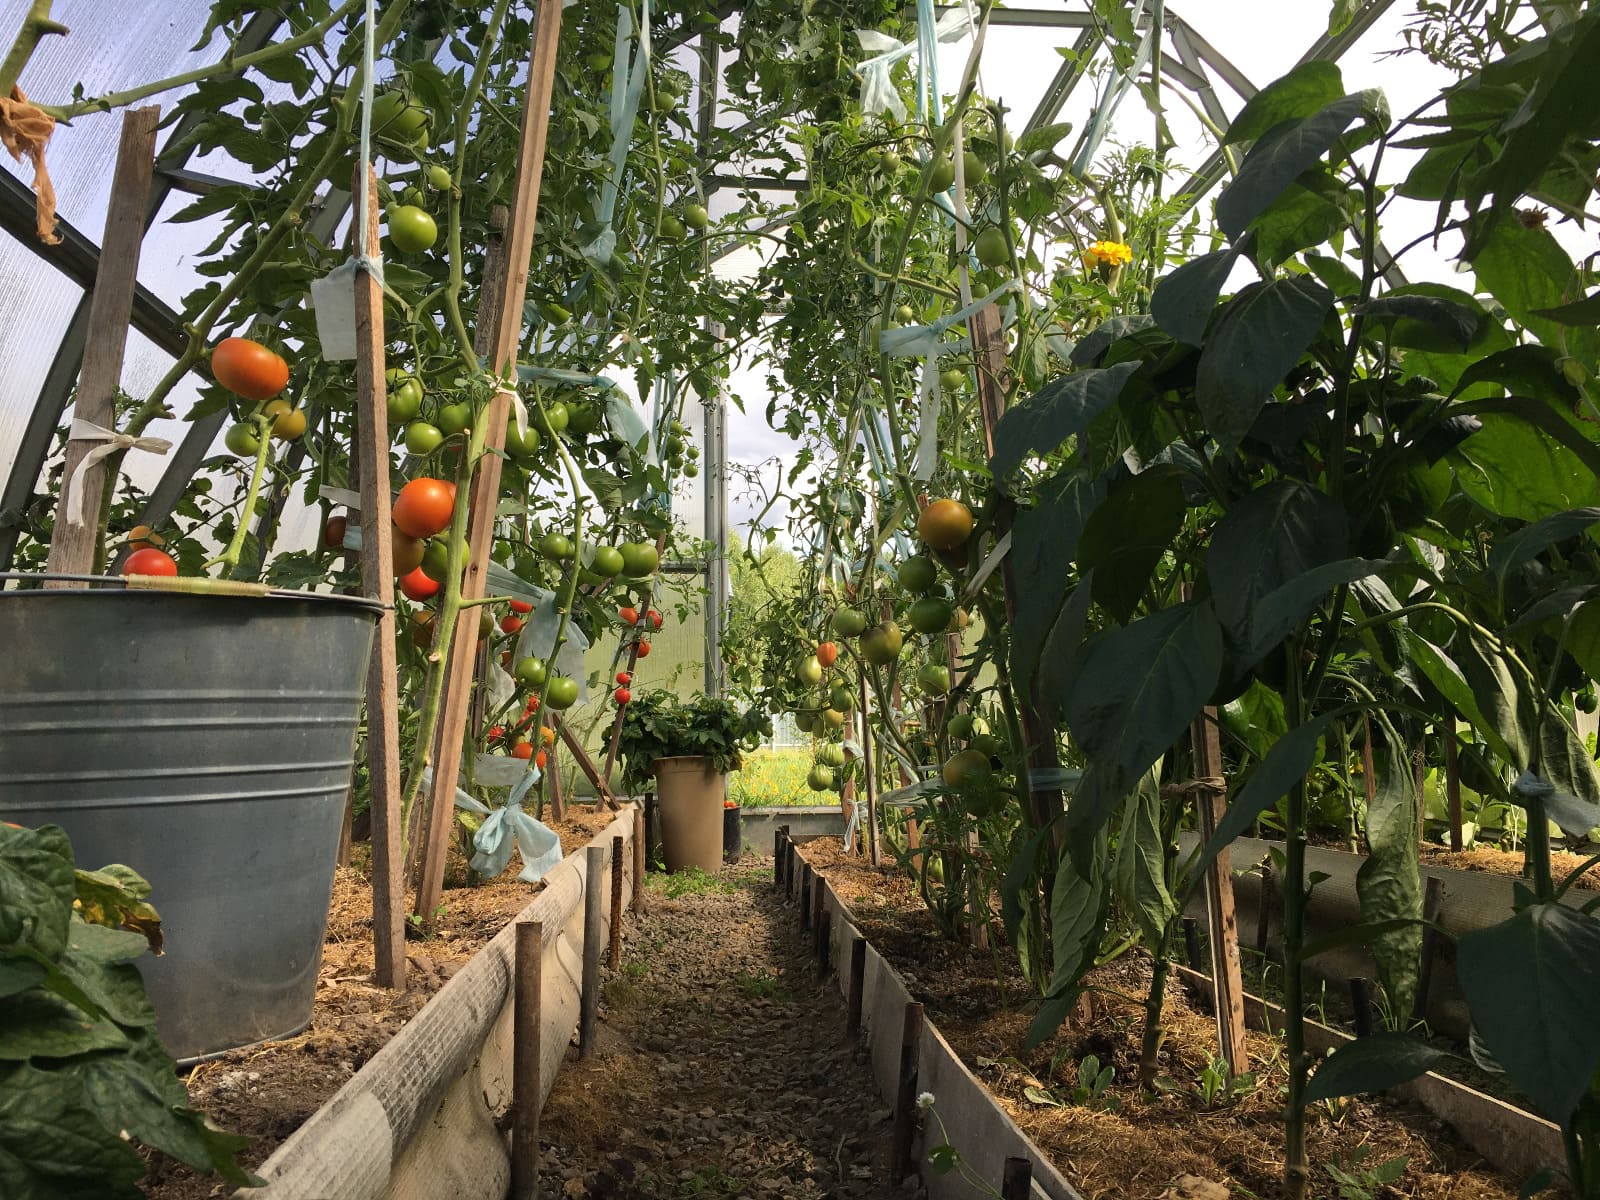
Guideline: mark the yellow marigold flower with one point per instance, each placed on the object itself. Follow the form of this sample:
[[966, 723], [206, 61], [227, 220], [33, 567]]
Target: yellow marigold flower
[[1110, 254]]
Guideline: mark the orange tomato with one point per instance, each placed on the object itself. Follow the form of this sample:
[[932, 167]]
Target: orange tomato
[[333, 531], [539, 760], [644, 649], [945, 524], [417, 586], [522, 750], [827, 654], [628, 616], [249, 369], [424, 506], [547, 735]]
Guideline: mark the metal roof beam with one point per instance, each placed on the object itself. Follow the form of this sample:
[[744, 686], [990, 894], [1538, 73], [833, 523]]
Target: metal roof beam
[[1066, 79]]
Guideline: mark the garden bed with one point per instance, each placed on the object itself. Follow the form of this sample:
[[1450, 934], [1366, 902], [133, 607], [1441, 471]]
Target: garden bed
[[266, 1091], [1124, 1144]]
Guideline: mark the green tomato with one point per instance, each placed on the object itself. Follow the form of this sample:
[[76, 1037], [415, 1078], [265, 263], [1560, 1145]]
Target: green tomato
[[405, 400], [943, 175], [556, 546], [935, 679], [411, 229], [530, 671], [243, 440], [918, 574], [952, 379], [552, 418], [638, 559], [847, 622], [436, 560], [395, 115], [930, 615], [690, 471], [809, 671], [607, 562], [455, 418], [905, 314], [562, 693], [841, 698], [974, 169], [522, 446], [696, 217], [672, 229], [423, 438], [439, 178], [583, 417], [990, 247]]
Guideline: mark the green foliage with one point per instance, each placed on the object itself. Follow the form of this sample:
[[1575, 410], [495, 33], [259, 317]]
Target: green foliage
[[658, 725], [1358, 1181], [83, 1075]]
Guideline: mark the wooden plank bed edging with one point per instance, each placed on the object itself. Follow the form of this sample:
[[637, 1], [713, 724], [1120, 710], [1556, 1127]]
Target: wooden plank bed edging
[[422, 1118]]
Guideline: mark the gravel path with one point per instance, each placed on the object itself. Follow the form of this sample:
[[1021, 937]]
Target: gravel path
[[723, 1067]]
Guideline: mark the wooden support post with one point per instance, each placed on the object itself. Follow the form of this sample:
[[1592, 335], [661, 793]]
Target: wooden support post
[[870, 774], [821, 927], [526, 1097], [805, 896], [651, 821], [502, 355], [858, 983], [1432, 903], [989, 351], [594, 865], [905, 1100], [1452, 784], [1264, 907], [552, 777], [371, 449], [1361, 1003], [1017, 1181], [777, 858], [110, 309], [602, 787], [638, 861], [1223, 921], [346, 834], [615, 958]]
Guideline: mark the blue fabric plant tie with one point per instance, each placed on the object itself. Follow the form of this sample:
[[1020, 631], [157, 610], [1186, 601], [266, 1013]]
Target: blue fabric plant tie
[[626, 88]]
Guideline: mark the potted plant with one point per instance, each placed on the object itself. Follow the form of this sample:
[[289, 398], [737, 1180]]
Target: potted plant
[[688, 749]]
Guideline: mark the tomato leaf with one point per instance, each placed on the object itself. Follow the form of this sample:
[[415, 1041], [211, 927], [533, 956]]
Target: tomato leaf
[[52, 1144], [36, 888], [1373, 1063]]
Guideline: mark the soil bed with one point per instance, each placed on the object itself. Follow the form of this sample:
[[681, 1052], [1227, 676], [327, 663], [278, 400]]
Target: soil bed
[[1135, 1147], [267, 1091], [722, 1067]]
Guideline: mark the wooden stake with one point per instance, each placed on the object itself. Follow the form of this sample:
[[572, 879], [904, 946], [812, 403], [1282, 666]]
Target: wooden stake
[[110, 310], [805, 897], [1452, 784], [1432, 902], [1017, 1182], [988, 348], [777, 858], [638, 861], [615, 957], [1361, 1003], [868, 770], [1223, 928], [502, 355], [594, 864], [858, 982], [602, 787], [821, 927], [377, 583], [552, 777], [526, 1097], [905, 1101]]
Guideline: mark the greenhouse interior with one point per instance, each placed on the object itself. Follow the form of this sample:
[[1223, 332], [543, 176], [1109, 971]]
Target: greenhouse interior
[[703, 599]]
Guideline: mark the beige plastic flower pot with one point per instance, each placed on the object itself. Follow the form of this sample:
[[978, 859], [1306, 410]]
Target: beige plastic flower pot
[[689, 794]]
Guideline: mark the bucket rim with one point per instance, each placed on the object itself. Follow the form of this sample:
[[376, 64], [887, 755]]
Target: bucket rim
[[107, 585]]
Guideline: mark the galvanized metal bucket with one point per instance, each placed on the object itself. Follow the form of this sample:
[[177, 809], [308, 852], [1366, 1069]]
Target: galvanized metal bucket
[[207, 742]]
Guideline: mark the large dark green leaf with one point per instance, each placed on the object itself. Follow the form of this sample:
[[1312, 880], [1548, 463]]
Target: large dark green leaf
[[1579, 312], [1493, 715], [1063, 408], [36, 887], [40, 1025], [52, 1146], [138, 1091], [1527, 270], [1044, 545], [1091, 349], [1455, 322], [1061, 647], [1511, 552], [1259, 337], [1567, 765], [1511, 468], [1275, 534], [1303, 92], [1137, 688], [1526, 370], [1300, 218], [97, 963], [1282, 610], [18, 975], [1374, 1063], [1279, 158], [1126, 535], [1388, 884], [1183, 301], [1138, 873], [1563, 105], [1079, 905], [1530, 983]]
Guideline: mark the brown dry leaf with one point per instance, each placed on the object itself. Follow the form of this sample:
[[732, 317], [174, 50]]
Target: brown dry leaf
[[1194, 1187], [25, 130]]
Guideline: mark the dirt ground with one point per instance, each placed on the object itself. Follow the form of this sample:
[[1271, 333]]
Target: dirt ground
[[1506, 862], [722, 1069], [1124, 1144], [267, 1091]]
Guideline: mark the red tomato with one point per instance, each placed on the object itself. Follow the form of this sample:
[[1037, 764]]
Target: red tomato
[[249, 369], [628, 616], [423, 507], [827, 654], [418, 586], [510, 624], [539, 760], [624, 678], [655, 619], [496, 732], [522, 750], [622, 695], [521, 606], [149, 561], [333, 531], [644, 649]]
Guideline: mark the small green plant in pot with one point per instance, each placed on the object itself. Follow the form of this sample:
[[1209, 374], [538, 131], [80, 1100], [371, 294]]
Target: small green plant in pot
[[685, 752]]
